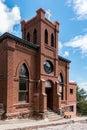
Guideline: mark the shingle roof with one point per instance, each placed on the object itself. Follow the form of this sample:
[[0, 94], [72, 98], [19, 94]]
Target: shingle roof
[[21, 41]]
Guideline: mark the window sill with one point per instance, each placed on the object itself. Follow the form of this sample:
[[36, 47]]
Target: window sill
[[63, 101], [49, 47], [22, 105]]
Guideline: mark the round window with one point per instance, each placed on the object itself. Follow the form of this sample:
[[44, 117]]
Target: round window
[[48, 67]]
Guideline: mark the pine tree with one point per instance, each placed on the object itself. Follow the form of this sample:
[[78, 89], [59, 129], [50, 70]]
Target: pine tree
[[81, 101]]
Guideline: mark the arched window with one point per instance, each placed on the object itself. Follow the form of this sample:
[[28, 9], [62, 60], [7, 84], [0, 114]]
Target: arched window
[[35, 36], [52, 40], [23, 84], [61, 84], [28, 36], [46, 37]]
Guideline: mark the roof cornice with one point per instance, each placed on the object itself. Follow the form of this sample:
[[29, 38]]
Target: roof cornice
[[19, 40], [64, 59]]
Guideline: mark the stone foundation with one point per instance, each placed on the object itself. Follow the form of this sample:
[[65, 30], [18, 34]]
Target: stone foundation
[[19, 115], [38, 115], [31, 115]]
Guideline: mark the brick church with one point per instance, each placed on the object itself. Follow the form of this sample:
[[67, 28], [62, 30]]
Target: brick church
[[33, 77]]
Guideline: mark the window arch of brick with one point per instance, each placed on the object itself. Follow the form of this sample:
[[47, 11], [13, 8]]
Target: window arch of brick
[[61, 85], [23, 93], [28, 36], [35, 36], [46, 36], [52, 40]]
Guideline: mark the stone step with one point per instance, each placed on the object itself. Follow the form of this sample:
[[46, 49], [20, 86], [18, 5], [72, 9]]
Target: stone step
[[55, 119], [52, 116]]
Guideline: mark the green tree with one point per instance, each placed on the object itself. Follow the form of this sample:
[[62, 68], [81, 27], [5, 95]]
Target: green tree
[[81, 101]]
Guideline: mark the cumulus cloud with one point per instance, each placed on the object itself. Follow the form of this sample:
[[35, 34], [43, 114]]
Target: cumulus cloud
[[8, 17], [79, 7], [78, 42], [61, 51]]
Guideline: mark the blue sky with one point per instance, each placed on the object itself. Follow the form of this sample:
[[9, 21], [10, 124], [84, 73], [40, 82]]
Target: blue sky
[[72, 16]]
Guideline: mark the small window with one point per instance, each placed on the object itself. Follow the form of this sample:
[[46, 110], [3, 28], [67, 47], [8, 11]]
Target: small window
[[52, 40], [35, 36], [46, 37], [71, 108], [28, 36], [71, 91]]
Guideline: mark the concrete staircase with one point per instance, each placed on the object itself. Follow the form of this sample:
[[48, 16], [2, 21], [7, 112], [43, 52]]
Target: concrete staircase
[[52, 116]]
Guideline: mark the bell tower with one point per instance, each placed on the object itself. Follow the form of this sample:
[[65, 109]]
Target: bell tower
[[39, 30]]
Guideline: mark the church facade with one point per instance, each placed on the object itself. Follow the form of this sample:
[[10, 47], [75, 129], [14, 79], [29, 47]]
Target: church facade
[[33, 77]]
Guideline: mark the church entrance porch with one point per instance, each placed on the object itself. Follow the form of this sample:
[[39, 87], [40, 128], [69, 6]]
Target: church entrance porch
[[49, 92]]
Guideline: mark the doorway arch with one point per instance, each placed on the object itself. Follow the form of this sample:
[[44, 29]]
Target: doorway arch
[[49, 92]]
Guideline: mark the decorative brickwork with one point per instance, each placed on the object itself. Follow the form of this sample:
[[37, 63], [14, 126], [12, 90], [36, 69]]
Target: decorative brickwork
[[38, 51]]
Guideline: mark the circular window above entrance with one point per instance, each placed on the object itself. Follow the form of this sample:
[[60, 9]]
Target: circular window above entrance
[[48, 67]]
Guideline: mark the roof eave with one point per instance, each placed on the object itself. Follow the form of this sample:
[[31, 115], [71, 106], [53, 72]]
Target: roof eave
[[22, 41], [64, 59]]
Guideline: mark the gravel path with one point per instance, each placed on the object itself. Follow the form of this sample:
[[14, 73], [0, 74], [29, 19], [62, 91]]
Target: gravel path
[[72, 126], [77, 123]]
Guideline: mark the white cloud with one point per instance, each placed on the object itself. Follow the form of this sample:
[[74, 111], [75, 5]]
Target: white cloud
[[72, 81], [8, 17], [60, 46], [78, 42], [61, 51], [79, 7], [66, 54]]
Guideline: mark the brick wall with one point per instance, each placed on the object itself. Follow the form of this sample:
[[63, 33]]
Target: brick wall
[[13, 55]]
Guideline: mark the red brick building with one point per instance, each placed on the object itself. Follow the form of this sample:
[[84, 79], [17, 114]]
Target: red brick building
[[33, 77]]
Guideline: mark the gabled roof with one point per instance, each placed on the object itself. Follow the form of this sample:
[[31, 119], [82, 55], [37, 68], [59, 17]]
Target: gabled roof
[[64, 59], [21, 41]]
